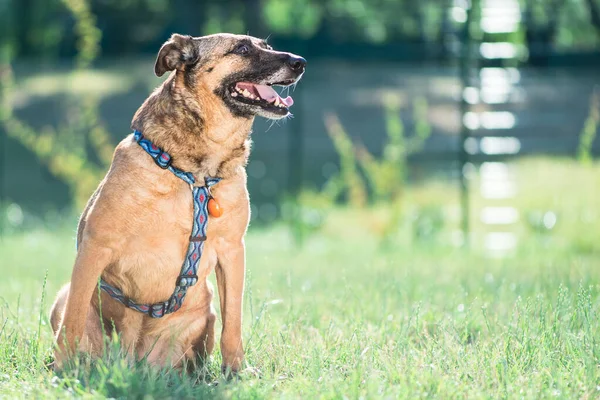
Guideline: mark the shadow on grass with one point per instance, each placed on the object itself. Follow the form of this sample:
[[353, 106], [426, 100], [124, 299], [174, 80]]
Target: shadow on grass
[[114, 376]]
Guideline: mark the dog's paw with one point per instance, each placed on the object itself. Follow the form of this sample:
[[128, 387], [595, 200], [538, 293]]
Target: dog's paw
[[251, 372], [51, 366], [228, 372], [57, 364], [247, 373]]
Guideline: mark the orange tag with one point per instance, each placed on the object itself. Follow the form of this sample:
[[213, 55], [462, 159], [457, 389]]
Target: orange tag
[[214, 209]]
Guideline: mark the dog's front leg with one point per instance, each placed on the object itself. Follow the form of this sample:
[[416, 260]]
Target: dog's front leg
[[230, 280], [90, 262]]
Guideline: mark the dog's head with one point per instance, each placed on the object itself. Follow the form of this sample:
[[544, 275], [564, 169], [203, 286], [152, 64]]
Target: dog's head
[[239, 70]]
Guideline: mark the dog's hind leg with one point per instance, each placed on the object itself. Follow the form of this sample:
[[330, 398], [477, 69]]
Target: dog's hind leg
[[92, 341]]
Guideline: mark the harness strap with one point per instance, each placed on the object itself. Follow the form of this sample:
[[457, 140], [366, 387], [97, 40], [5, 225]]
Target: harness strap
[[163, 159], [188, 276]]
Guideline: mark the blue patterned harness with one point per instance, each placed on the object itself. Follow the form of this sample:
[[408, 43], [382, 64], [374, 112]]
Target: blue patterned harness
[[188, 277]]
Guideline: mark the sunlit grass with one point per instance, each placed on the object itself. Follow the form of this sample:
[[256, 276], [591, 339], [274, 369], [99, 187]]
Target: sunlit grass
[[344, 316], [98, 83], [341, 319], [101, 82]]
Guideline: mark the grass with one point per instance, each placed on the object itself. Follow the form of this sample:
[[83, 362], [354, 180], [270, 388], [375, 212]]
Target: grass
[[345, 317]]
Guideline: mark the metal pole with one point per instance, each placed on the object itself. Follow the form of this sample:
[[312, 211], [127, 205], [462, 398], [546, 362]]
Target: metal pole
[[3, 151], [296, 147], [5, 50], [296, 165], [296, 157], [465, 133], [8, 43]]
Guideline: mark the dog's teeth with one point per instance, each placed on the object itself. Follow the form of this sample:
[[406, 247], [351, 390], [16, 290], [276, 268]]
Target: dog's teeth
[[246, 93], [234, 94], [277, 101]]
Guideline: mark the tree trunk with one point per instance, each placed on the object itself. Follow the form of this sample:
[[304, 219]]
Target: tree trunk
[[540, 37], [594, 15], [23, 15]]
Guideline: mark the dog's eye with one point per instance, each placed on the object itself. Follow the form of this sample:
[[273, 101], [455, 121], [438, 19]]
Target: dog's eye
[[243, 49]]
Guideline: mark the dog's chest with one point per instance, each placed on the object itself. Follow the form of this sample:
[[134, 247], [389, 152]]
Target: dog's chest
[[157, 245]]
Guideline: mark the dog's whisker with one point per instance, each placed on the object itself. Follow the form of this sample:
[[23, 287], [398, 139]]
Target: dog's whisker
[[271, 125]]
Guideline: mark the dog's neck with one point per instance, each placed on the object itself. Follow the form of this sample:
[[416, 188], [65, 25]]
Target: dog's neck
[[197, 130]]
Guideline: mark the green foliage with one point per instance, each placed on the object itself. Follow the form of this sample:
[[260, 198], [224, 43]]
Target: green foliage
[[65, 150], [349, 180], [428, 224], [386, 176], [590, 130], [363, 176], [88, 43], [137, 25], [568, 21], [300, 18], [218, 21]]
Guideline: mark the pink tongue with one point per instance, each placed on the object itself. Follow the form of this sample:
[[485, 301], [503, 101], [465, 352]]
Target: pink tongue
[[269, 94], [266, 93]]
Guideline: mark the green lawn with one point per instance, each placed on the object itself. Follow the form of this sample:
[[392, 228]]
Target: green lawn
[[342, 318], [349, 315]]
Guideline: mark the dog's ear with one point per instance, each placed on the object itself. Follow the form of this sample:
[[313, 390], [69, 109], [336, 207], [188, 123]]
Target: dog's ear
[[177, 53]]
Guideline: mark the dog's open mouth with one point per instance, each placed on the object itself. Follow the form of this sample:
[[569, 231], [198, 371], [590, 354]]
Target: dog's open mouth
[[261, 95]]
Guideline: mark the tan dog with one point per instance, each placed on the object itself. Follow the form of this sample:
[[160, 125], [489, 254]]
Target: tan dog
[[135, 230]]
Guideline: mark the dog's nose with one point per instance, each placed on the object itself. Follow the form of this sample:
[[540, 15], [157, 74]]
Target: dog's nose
[[297, 63]]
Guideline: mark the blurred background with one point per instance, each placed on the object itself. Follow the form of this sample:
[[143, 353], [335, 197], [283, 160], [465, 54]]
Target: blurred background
[[438, 122]]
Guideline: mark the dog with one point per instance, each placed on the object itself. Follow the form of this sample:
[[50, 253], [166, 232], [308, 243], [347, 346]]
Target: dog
[[135, 232]]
